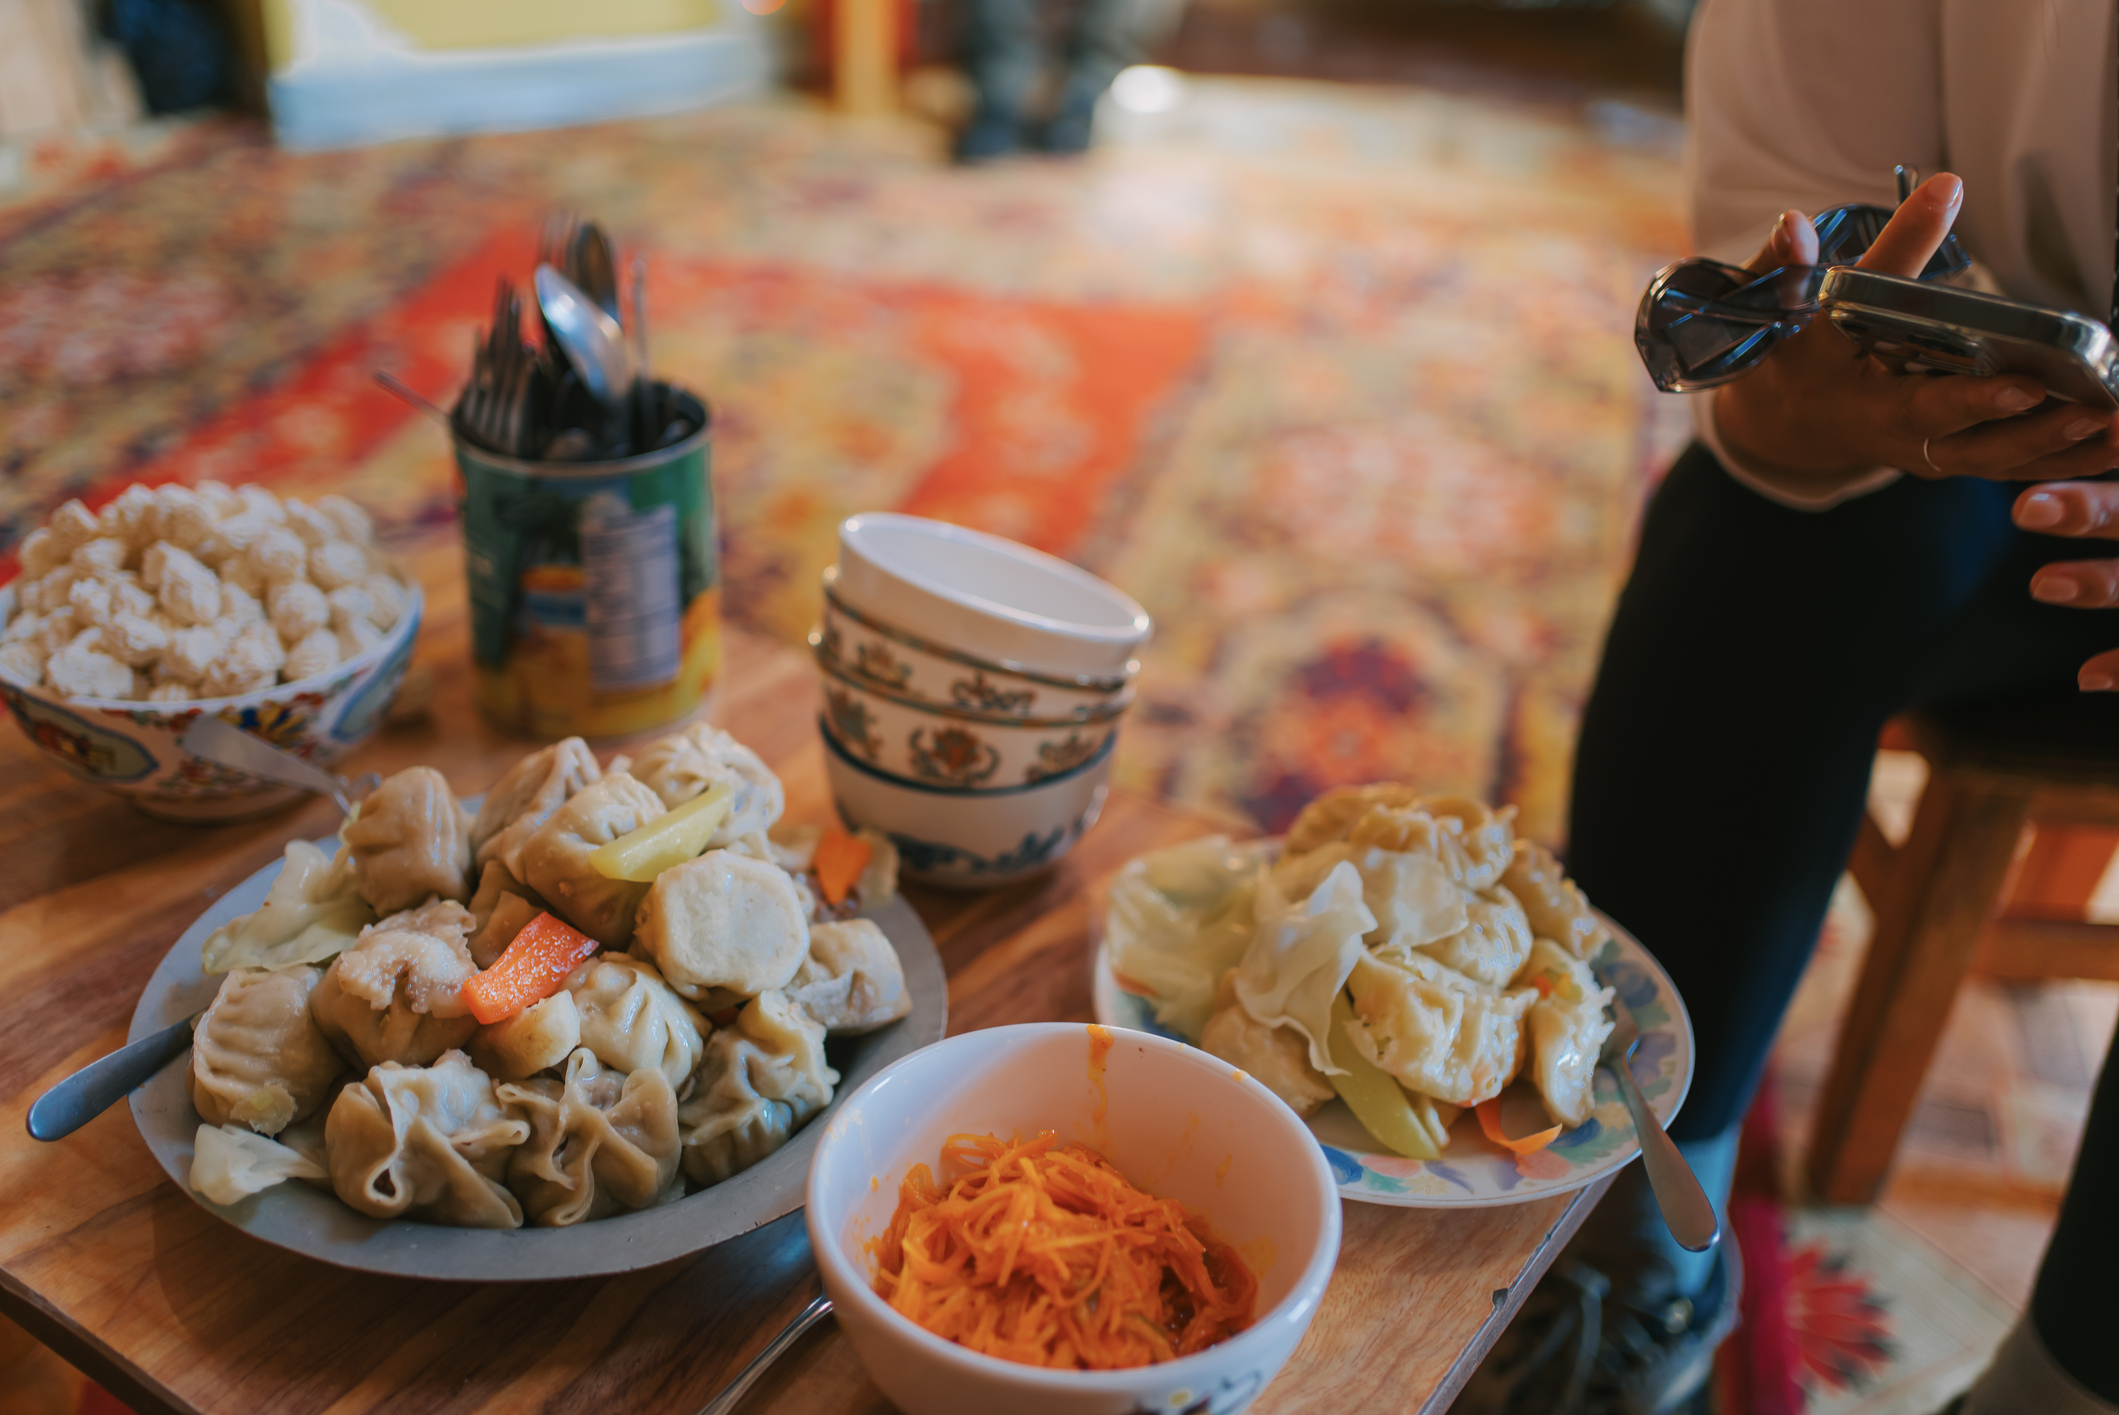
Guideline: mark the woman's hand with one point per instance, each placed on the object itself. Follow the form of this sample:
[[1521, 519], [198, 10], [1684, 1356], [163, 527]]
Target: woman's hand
[[2078, 509], [1821, 410]]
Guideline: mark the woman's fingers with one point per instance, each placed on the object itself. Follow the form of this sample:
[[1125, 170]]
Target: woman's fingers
[[1793, 242], [1916, 229], [1940, 405], [2071, 509], [2100, 674], [2079, 584], [2048, 445]]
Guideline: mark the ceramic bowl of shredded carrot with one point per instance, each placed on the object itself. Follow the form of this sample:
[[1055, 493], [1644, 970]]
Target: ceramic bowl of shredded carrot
[[1068, 1219]]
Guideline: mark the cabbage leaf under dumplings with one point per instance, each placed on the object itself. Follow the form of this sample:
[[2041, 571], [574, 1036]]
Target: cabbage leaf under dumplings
[[1301, 953], [761, 1079], [230, 1163], [1568, 1027], [311, 912], [601, 1141], [1179, 919], [426, 1142]]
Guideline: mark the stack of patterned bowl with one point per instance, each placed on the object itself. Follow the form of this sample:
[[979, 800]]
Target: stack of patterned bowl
[[972, 693]]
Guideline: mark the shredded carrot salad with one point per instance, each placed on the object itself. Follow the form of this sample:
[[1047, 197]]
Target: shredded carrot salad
[[1043, 1253]]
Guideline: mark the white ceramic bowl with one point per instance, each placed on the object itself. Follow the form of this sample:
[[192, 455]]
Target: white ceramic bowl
[[946, 746], [1179, 1123], [970, 839], [903, 663], [130, 748], [985, 596]]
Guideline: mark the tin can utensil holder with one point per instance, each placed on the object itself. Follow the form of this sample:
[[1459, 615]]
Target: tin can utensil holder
[[594, 586]]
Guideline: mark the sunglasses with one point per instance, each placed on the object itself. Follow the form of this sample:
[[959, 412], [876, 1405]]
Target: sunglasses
[[1702, 323]]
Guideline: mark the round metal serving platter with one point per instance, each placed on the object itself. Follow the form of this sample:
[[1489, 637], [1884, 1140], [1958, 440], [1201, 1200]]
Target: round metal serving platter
[[314, 1223]]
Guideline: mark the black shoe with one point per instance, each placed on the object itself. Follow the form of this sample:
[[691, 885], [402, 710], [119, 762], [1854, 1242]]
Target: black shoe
[[1069, 133], [1580, 1348]]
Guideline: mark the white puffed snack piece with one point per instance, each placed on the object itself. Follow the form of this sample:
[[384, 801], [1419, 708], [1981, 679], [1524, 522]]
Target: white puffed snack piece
[[356, 638], [190, 593], [723, 921], [312, 525], [296, 609], [240, 572], [182, 516], [220, 499], [99, 556], [132, 517], [22, 661], [336, 563], [90, 602], [351, 520], [251, 661], [316, 653], [83, 670], [170, 690], [348, 603], [277, 554], [135, 639], [57, 631], [72, 525], [25, 627], [191, 652], [40, 554], [388, 598], [239, 609]]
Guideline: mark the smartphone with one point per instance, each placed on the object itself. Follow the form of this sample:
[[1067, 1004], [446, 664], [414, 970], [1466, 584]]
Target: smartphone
[[1923, 326]]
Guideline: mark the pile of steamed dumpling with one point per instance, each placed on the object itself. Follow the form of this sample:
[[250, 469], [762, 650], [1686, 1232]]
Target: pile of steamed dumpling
[[1454, 955], [341, 1048]]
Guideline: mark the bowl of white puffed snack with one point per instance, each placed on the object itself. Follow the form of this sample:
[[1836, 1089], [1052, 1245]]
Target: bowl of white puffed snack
[[128, 624]]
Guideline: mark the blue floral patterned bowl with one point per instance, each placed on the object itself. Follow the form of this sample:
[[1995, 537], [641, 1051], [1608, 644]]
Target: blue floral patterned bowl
[[130, 748]]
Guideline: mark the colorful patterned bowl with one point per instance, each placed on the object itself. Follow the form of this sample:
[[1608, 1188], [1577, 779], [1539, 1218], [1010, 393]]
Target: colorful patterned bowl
[[901, 662], [991, 598], [130, 748], [948, 746], [1178, 1122], [970, 839]]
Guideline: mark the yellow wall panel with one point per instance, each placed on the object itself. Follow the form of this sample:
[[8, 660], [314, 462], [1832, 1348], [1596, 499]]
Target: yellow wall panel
[[501, 24]]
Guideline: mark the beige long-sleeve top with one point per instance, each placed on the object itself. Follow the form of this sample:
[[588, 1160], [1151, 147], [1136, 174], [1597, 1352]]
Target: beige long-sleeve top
[[1810, 103]]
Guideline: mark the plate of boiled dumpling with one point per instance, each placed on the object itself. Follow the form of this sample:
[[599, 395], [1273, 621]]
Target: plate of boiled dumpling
[[585, 1024], [1429, 991]]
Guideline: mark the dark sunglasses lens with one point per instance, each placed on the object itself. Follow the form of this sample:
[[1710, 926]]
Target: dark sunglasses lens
[[1845, 233]]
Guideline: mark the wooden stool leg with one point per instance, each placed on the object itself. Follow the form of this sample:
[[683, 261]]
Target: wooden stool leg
[[1945, 883]]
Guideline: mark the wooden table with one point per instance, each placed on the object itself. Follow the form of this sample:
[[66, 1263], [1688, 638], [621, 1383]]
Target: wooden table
[[107, 1262]]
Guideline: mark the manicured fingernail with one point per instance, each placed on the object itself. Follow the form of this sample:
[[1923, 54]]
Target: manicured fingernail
[[2014, 400], [2056, 589], [2040, 510], [2095, 682], [2080, 428]]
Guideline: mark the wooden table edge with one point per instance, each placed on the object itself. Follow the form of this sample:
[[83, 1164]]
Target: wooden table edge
[[81, 1350]]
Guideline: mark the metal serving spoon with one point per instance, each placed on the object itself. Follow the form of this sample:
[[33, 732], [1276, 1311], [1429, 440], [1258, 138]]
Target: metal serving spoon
[[591, 339], [99, 1085], [732, 1394], [1677, 1190]]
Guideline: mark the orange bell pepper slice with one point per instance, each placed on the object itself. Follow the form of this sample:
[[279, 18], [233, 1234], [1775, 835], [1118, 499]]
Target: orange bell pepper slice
[[1489, 1113], [534, 966], [839, 861]]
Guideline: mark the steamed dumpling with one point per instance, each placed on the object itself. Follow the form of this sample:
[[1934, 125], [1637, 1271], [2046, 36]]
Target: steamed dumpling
[[1492, 944], [397, 994], [1474, 842], [542, 1035], [1276, 1057], [411, 841], [852, 980], [257, 1056], [1551, 902], [526, 797], [555, 860], [426, 1142], [1331, 816], [1434, 1029], [502, 905], [762, 1078], [311, 912], [633, 1021], [684, 764], [724, 920], [601, 1141], [1567, 1029]]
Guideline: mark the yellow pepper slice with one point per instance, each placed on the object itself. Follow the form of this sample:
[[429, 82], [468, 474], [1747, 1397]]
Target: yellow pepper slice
[[669, 839], [1382, 1106]]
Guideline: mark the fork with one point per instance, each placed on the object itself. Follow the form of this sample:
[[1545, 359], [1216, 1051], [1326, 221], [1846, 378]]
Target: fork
[[1678, 1194]]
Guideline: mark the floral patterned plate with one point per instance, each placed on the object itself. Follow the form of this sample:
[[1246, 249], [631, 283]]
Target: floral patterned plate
[[1474, 1172]]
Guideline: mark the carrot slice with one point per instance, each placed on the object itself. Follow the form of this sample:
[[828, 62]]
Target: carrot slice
[[531, 970], [1490, 1124], [839, 862]]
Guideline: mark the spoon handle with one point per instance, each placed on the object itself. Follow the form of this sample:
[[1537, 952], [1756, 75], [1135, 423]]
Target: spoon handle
[[1678, 1194], [732, 1394], [99, 1085]]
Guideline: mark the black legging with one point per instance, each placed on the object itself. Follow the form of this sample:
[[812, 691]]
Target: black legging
[[1724, 765]]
